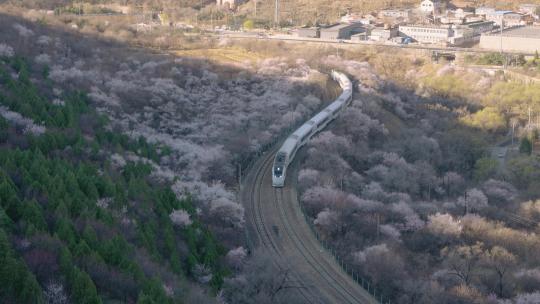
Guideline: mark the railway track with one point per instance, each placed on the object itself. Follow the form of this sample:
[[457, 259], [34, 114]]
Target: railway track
[[263, 232], [276, 224]]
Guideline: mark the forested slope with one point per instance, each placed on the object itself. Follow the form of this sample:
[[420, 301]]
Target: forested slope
[[57, 237], [119, 165]]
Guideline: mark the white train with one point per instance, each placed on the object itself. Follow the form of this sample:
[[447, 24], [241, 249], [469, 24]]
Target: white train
[[302, 135]]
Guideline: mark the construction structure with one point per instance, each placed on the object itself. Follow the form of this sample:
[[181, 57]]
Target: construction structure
[[522, 39]]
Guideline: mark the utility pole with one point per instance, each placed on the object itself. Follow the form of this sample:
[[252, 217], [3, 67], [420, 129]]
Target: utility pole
[[255, 8], [276, 14], [378, 216], [513, 129], [529, 126]]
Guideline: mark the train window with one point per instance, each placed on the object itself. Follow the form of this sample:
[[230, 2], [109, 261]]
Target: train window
[[278, 171], [280, 158]]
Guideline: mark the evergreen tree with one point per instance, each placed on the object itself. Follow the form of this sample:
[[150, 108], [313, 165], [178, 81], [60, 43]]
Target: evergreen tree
[[4, 127], [153, 293], [83, 289], [525, 146]]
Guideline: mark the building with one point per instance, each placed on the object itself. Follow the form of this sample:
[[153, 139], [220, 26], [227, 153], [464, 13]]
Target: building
[[397, 14], [479, 27], [474, 18], [450, 19], [529, 9], [360, 37], [356, 18], [483, 11], [470, 33], [463, 12], [308, 32], [509, 18], [462, 3], [341, 31], [427, 33], [522, 39], [230, 4], [431, 7], [383, 34]]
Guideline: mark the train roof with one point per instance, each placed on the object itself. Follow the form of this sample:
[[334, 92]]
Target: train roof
[[292, 141], [280, 159], [334, 105], [319, 117], [303, 130], [288, 145]]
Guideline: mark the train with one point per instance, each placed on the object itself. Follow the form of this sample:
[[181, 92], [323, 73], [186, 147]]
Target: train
[[304, 133]]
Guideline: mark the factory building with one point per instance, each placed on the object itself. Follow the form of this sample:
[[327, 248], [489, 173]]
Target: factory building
[[396, 14], [508, 17], [469, 33], [427, 33], [521, 39], [528, 9], [341, 31]]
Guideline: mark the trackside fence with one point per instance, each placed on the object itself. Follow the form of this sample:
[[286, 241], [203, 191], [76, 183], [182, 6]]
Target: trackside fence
[[365, 283]]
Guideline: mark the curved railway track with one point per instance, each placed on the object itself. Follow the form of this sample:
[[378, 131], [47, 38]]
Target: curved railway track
[[276, 223]]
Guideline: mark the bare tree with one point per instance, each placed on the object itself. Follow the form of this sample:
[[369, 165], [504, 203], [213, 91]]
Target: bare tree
[[501, 262], [263, 282], [463, 261]]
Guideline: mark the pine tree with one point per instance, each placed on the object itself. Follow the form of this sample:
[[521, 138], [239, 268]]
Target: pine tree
[[153, 293], [525, 146], [83, 289], [4, 127]]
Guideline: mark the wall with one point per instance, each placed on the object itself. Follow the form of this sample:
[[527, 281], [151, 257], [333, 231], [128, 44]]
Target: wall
[[522, 44]]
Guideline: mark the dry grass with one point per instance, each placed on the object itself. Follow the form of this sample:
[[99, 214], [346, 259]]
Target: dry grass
[[393, 123], [222, 55]]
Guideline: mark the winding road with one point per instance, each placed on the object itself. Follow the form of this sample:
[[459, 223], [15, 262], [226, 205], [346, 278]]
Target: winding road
[[276, 223]]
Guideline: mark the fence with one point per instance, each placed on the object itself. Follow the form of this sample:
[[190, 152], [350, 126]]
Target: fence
[[366, 284]]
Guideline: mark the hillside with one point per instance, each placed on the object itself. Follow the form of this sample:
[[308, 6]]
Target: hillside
[[295, 12], [118, 165], [300, 12]]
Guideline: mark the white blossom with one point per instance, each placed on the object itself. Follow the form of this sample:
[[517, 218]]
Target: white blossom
[[444, 224], [236, 257], [22, 30], [54, 293], [6, 50], [27, 124], [43, 59], [375, 250], [326, 218], [180, 218]]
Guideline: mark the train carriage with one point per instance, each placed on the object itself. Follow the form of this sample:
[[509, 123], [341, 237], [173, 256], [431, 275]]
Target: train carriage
[[302, 135]]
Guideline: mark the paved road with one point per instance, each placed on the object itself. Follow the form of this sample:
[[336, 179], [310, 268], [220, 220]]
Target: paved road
[[276, 223]]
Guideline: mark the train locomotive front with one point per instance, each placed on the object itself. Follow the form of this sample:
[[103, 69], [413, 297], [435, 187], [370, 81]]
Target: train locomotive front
[[278, 170]]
